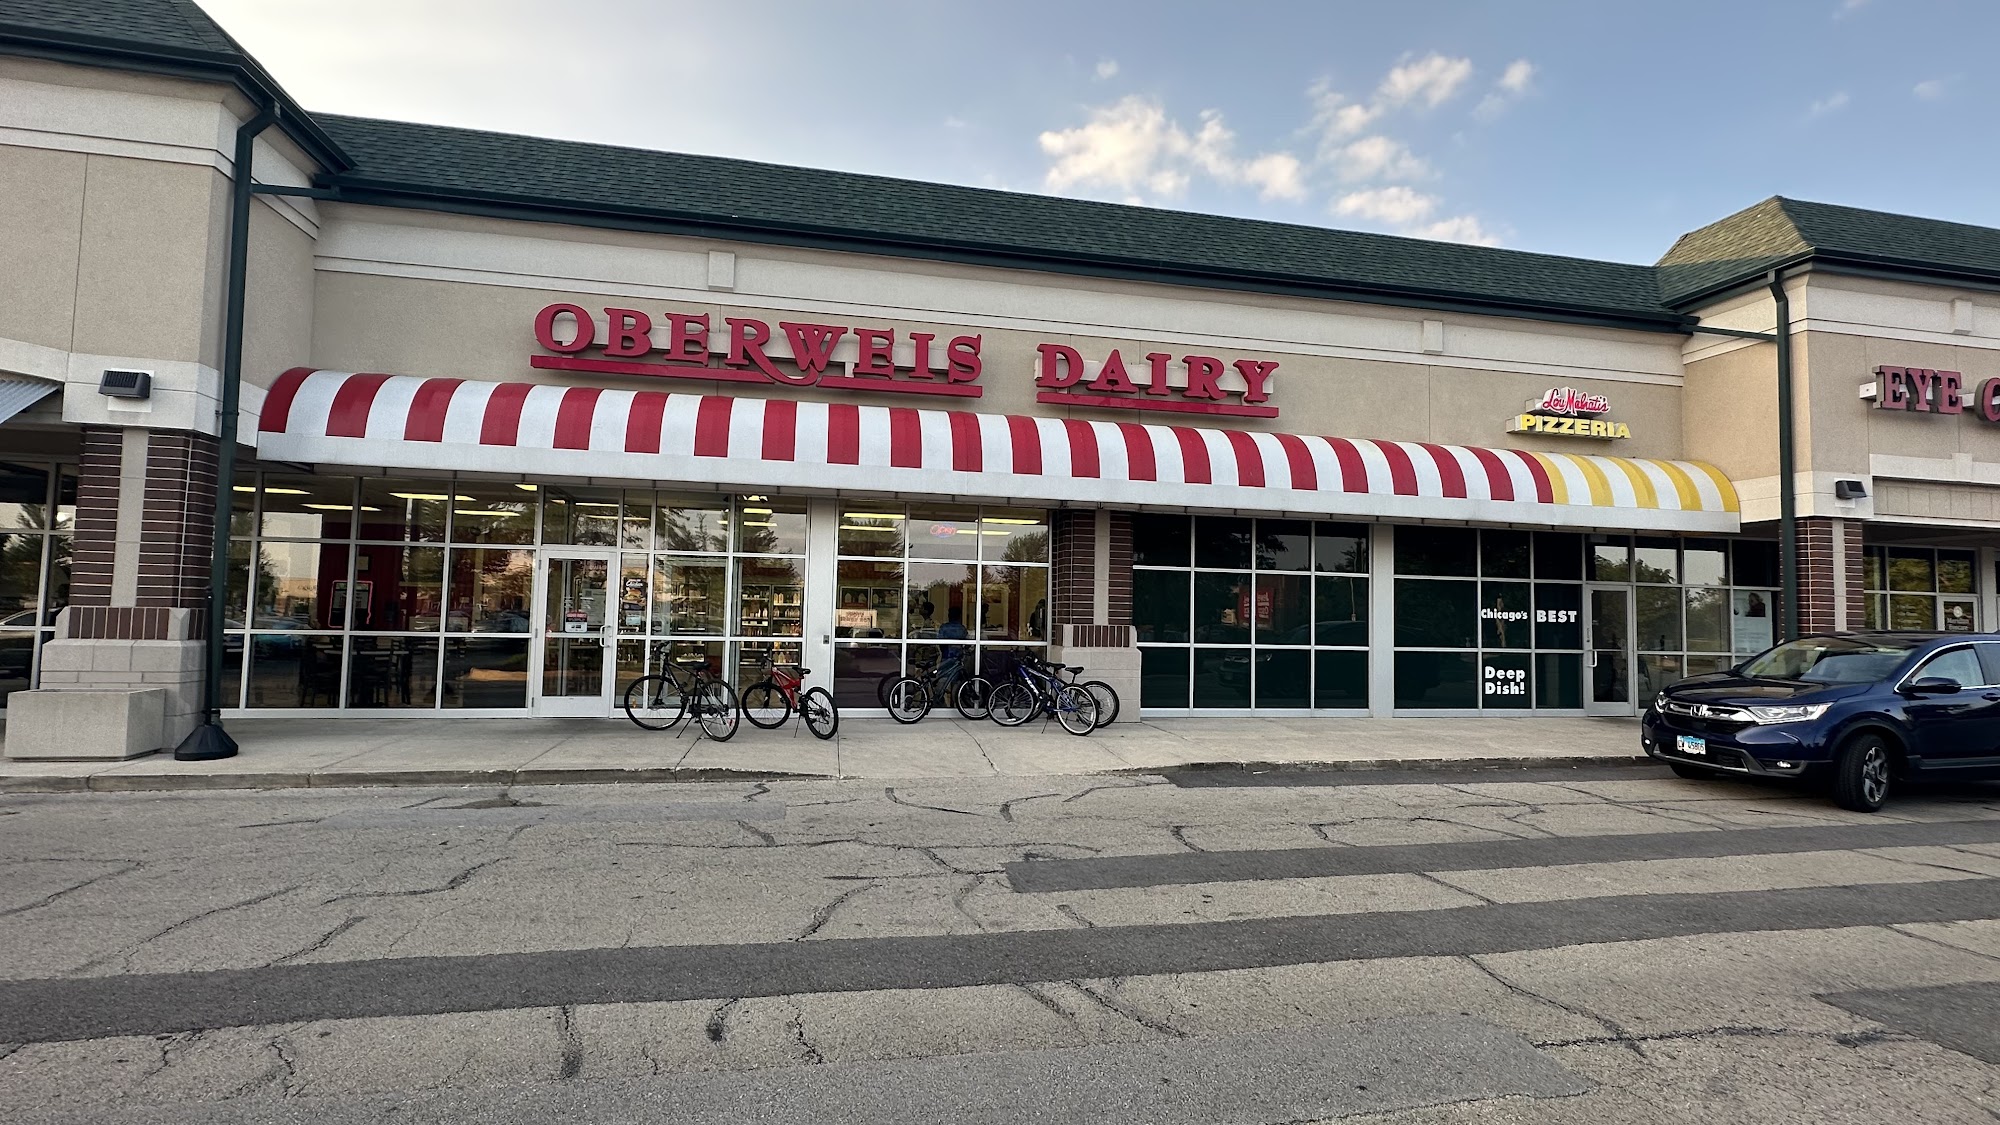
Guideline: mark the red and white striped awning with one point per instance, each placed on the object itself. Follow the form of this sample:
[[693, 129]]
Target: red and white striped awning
[[543, 431]]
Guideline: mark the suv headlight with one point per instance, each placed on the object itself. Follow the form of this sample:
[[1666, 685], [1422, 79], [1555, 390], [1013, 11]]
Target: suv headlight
[[1788, 712], [1660, 702]]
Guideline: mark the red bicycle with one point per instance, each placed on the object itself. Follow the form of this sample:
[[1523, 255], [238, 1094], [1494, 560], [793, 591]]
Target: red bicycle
[[773, 699]]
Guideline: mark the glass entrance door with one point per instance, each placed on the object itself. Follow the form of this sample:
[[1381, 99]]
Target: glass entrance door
[[573, 676], [1607, 642]]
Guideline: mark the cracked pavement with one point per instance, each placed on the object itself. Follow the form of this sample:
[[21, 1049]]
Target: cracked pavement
[[484, 954]]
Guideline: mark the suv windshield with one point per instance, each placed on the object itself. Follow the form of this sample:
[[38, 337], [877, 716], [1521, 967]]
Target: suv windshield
[[1829, 660]]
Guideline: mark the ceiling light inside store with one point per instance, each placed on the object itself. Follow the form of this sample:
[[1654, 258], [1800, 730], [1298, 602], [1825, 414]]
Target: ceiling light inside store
[[339, 508], [870, 516], [594, 504], [864, 527], [756, 511], [428, 496], [274, 491], [754, 523], [480, 512], [1022, 523]]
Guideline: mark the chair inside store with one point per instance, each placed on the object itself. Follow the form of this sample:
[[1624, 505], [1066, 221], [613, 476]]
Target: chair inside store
[[319, 673]]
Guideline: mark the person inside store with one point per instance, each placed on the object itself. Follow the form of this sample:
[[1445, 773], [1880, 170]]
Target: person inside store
[[954, 629]]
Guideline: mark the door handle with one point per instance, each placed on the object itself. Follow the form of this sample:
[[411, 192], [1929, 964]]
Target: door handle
[[1991, 697]]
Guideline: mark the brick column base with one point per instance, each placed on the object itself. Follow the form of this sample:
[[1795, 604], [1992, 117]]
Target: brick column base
[[123, 675], [1830, 577]]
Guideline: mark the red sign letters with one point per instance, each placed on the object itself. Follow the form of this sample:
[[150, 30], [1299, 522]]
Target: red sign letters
[[1925, 390], [745, 350], [1063, 370]]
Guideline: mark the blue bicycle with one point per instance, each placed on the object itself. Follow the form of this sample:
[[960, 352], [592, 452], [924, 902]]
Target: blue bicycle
[[1037, 688]]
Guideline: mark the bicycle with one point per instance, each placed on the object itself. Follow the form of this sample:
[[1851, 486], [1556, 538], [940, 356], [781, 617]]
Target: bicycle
[[1036, 689], [773, 699], [687, 690], [1105, 694], [910, 698]]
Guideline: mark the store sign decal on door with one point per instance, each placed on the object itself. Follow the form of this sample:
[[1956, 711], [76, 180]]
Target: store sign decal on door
[[747, 350]]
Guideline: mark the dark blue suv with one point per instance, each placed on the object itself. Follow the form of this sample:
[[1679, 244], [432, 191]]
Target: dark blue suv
[[1859, 711]]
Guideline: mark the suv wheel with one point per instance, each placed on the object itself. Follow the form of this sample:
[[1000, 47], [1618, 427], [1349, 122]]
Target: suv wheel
[[1691, 772], [1861, 773]]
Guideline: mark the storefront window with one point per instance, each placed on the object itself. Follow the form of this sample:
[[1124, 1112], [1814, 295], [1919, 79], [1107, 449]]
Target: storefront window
[[397, 510], [1222, 542], [1922, 589], [34, 565], [965, 581], [1238, 613], [1464, 644], [487, 513], [772, 527]]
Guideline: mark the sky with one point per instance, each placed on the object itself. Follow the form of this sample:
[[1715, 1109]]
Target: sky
[[1597, 129]]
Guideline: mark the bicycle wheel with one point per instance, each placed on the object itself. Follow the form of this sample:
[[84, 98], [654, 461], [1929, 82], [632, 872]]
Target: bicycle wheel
[[1107, 700], [1013, 704], [765, 705], [654, 702], [1076, 709], [974, 697], [908, 700], [719, 715], [821, 716]]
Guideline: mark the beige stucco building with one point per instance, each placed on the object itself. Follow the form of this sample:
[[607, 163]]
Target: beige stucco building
[[522, 418]]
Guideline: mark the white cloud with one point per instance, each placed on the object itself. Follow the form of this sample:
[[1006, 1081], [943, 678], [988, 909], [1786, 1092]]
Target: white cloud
[[954, 122], [1513, 84], [1133, 147], [1107, 69], [1378, 158], [1396, 205], [1408, 212], [1458, 228], [1931, 89], [1848, 8], [1431, 80], [1835, 101]]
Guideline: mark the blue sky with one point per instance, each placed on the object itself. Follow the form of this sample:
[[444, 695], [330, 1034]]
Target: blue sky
[[1595, 129]]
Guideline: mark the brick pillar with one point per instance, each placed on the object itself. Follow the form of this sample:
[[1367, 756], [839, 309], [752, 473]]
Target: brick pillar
[[1830, 576], [1120, 600], [138, 602], [1073, 571]]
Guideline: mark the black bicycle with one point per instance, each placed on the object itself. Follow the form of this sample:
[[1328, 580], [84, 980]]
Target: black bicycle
[[1036, 689], [911, 697], [1105, 694], [683, 689]]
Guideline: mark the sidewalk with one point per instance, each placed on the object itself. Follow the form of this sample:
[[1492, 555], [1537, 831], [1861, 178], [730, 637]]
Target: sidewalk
[[289, 753]]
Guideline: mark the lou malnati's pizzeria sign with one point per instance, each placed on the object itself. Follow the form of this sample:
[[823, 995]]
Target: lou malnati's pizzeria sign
[[1569, 412]]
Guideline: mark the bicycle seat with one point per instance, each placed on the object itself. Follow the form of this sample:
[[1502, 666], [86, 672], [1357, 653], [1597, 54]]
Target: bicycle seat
[[1073, 669], [805, 671]]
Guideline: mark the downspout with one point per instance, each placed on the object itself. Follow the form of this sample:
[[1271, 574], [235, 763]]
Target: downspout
[[1788, 498], [209, 741]]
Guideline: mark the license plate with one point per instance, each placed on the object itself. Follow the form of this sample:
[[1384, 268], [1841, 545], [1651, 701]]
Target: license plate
[[1690, 745]]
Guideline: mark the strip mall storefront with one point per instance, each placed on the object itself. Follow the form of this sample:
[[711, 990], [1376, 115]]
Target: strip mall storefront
[[507, 440]]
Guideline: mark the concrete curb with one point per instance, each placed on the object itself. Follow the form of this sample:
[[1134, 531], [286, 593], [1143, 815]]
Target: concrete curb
[[153, 783], [1411, 764]]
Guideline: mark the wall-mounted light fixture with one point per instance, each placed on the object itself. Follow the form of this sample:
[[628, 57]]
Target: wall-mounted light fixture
[[126, 384], [1849, 490]]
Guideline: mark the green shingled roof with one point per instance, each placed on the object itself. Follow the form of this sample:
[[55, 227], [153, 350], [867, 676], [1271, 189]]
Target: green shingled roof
[[429, 165], [176, 25], [891, 212], [1779, 230]]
